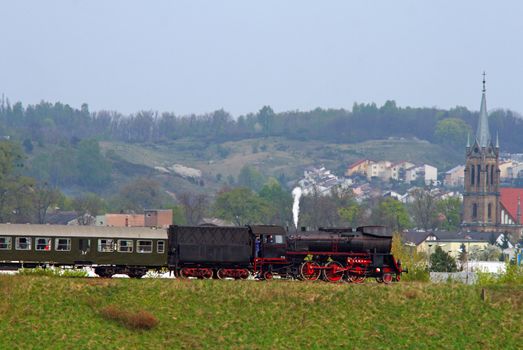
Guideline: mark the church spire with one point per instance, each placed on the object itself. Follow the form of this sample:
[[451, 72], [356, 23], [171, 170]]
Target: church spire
[[483, 133]]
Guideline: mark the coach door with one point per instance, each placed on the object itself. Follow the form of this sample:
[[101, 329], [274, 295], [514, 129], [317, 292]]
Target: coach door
[[84, 248]]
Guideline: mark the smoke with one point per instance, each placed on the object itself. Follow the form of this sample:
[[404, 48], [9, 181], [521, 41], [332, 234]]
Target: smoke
[[296, 194]]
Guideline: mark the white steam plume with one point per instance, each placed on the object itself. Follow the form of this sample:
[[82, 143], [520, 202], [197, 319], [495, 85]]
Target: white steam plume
[[296, 194]]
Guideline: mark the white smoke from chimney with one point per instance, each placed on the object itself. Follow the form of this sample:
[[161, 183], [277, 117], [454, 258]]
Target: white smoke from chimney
[[296, 194]]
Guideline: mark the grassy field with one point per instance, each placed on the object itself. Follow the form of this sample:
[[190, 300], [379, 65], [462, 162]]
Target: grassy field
[[67, 313]]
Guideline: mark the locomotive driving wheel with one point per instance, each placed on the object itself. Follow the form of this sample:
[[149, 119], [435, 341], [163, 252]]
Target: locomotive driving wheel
[[267, 275], [310, 271], [333, 272]]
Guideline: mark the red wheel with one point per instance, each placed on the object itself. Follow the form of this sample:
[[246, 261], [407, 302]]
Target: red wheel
[[268, 275], [206, 274], [184, 273], [221, 274], [244, 274], [397, 278], [356, 278], [333, 272], [387, 278], [310, 271]]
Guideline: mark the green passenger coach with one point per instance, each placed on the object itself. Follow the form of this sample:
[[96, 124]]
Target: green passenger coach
[[110, 250]]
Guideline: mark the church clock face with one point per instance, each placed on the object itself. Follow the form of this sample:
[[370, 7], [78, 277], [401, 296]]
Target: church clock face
[[476, 150]]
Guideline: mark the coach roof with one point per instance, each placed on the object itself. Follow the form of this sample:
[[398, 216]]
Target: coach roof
[[81, 231]]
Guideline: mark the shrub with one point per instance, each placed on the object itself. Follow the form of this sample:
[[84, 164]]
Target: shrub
[[53, 272], [133, 320], [416, 274], [512, 275]]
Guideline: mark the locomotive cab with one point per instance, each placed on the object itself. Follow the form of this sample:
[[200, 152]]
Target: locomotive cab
[[270, 241]]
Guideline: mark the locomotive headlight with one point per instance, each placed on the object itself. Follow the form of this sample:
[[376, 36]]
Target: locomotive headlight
[[378, 269]]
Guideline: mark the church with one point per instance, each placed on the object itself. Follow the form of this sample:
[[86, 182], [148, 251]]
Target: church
[[486, 206]]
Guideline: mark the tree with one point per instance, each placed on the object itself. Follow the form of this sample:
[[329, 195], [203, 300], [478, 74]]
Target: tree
[[449, 210], [423, 208], [452, 131], [489, 253], [241, 206], [441, 261], [194, 207], [46, 196], [87, 207], [93, 169], [463, 254], [392, 213], [350, 213], [280, 203], [251, 178], [140, 194]]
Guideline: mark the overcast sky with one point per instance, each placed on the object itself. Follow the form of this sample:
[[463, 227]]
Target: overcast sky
[[199, 56]]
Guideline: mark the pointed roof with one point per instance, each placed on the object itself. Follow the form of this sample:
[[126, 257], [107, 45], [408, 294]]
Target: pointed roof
[[483, 133]]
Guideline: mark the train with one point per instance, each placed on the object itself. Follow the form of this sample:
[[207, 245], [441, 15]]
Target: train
[[205, 252]]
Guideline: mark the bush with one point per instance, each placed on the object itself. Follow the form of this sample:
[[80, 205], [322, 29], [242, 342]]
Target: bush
[[53, 272], [133, 320], [512, 275], [416, 274]]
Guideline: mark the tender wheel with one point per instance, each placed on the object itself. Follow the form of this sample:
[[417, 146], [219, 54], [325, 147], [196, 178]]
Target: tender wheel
[[221, 274], [310, 271], [387, 278], [244, 274], [184, 273], [333, 272], [207, 274]]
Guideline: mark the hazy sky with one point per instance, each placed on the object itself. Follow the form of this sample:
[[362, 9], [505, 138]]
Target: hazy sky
[[199, 56]]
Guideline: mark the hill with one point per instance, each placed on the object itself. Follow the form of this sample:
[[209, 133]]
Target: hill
[[61, 313], [273, 156]]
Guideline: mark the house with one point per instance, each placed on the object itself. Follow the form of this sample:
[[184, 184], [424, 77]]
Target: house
[[150, 218], [451, 242], [455, 177], [427, 172], [321, 181], [359, 167]]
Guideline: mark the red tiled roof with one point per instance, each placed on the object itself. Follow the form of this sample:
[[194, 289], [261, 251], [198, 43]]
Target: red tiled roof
[[355, 164], [509, 200]]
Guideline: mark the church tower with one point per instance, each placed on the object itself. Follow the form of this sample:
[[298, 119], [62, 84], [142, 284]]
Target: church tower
[[481, 208]]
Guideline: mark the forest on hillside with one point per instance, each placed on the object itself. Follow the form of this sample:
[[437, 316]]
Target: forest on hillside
[[48, 123]]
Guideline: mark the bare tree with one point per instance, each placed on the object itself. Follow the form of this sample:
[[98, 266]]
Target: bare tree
[[195, 207], [423, 208]]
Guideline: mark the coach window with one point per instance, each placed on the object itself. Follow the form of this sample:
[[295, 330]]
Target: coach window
[[5, 243], [278, 239], [43, 244], [125, 245], [23, 243], [106, 245], [63, 244], [160, 247], [144, 246]]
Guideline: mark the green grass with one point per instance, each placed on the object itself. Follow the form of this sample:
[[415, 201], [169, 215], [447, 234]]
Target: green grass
[[41, 312]]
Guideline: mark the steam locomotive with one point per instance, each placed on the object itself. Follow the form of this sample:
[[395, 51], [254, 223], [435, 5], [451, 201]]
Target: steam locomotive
[[334, 254], [262, 251]]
